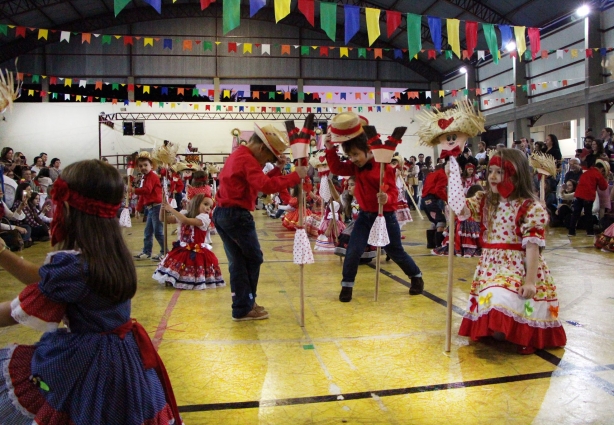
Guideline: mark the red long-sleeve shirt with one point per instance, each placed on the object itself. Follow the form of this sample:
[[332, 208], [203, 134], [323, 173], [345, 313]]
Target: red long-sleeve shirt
[[589, 181], [367, 181], [150, 191], [242, 178], [176, 183], [436, 184], [284, 194]]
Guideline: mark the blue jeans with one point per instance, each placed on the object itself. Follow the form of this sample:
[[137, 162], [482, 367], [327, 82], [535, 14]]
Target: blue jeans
[[237, 229], [153, 227], [358, 242]]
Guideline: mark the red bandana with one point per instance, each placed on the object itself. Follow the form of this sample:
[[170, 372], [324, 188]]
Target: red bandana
[[61, 193]]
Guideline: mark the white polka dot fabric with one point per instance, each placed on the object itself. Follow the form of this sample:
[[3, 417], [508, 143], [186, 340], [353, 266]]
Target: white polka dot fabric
[[302, 248], [379, 235], [324, 189], [124, 218], [456, 193]]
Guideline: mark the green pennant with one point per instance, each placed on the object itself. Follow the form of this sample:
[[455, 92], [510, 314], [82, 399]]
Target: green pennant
[[362, 52], [207, 45], [272, 95], [106, 39], [466, 92], [35, 79], [54, 96], [103, 100], [527, 55], [448, 54], [194, 92], [161, 104], [119, 5], [524, 88], [360, 109], [428, 106], [231, 13], [328, 19], [278, 109], [115, 86], [491, 41], [218, 107], [304, 50], [3, 29], [414, 34]]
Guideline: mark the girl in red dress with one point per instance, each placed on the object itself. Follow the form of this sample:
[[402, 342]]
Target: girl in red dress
[[191, 264]]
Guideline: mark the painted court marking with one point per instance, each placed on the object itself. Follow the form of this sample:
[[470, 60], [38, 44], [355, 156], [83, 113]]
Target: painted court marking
[[162, 326]]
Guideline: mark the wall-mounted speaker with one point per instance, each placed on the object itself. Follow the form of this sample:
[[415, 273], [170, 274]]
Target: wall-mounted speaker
[[128, 128], [139, 128]]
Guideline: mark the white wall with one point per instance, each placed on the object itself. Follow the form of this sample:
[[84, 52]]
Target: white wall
[[69, 131]]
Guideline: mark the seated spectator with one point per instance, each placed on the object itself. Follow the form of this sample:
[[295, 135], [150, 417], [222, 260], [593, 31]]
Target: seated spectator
[[575, 170], [6, 157], [562, 214], [5, 212], [37, 165], [40, 230], [54, 169], [597, 152], [26, 177]]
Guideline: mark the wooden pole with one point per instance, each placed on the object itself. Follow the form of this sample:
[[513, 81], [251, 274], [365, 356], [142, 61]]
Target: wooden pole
[[380, 210], [542, 187], [301, 217], [412, 199], [451, 248], [164, 201]]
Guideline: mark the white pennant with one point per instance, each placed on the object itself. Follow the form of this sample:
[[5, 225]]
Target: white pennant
[[66, 97], [266, 49], [65, 35], [428, 94], [480, 54], [82, 83], [559, 54]]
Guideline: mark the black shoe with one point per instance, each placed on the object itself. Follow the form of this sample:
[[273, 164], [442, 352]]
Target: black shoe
[[417, 286], [346, 294], [387, 257], [430, 239]]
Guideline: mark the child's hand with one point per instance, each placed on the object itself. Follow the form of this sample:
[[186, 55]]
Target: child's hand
[[167, 207], [382, 198], [327, 143], [527, 291], [301, 171]]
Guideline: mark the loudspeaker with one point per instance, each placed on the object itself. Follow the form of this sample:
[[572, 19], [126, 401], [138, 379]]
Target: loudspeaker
[[139, 128], [128, 128]]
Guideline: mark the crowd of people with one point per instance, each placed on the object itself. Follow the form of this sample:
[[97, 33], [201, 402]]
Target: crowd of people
[[502, 222]]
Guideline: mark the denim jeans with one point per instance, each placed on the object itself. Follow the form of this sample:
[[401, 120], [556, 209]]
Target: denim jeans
[[153, 227], [433, 207], [577, 207], [237, 229], [358, 242]]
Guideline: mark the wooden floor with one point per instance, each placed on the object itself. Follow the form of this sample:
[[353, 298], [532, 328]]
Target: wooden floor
[[367, 362]]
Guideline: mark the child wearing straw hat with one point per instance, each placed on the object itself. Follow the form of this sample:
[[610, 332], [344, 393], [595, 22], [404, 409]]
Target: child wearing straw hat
[[240, 181], [346, 129]]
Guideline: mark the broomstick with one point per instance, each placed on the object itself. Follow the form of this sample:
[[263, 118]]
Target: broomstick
[[412, 199]]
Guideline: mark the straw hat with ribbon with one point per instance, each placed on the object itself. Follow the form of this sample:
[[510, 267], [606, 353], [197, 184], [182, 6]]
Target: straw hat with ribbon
[[182, 166], [345, 126], [144, 155], [274, 139]]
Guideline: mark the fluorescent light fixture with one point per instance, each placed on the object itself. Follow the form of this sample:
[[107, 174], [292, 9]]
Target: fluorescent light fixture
[[510, 46], [583, 11], [463, 70]]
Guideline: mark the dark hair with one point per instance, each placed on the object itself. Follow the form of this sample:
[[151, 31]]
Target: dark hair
[[36, 158], [19, 191], [555, 141], [609, 131], [347, 200], [42, 153], [197, 175], [31, 203], [111, 273], [5, 150], [599, 146], [574, 183], [428, 160], [53, 161], [43, 172], [474, 189], [18, 171], [359, 142]]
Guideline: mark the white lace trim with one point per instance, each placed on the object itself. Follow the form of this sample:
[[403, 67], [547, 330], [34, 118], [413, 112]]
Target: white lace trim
[[542, 324], [51, 254], [533, 239], [33, 322], [9, 384]]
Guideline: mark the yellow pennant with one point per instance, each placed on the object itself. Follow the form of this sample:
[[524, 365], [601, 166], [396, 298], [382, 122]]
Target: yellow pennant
[[372, 17], [343, 51], [453, 37], [521, 42], [282, 9]]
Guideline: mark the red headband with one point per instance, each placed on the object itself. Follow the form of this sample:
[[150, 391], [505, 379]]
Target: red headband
[[505, 187], [470, 165], [61, 193]]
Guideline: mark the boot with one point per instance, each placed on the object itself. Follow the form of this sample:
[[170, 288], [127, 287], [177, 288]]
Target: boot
[[439, 237], [430, 238]]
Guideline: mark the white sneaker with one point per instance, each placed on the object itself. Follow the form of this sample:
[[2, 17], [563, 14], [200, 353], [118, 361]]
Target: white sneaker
[[156, 257], [142, 256]]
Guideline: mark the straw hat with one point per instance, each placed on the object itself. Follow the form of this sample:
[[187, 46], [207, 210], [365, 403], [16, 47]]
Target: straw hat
[[605, 164], [147, 156], [274, 139], [399, 159], [461, 119], [345, 126], [182, 166]]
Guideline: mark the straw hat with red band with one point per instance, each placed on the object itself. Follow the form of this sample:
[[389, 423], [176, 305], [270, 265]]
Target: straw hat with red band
[[144, 155], [345, 126], [275, 140]]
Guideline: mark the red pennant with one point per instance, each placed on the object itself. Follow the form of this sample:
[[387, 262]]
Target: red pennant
[[232, 47], [128, 40], [308, 110], [306, 8], [535, 41], [150, 104], [513, 88], [207, 108], [323, 51], [393, 20], [205, 4], [589, 53], [130, 87], [471, 34], [514, 54], [20, 31], [211, 92], [533, 87], [432, 54], [53, 80], [316, 96], [90, 98]]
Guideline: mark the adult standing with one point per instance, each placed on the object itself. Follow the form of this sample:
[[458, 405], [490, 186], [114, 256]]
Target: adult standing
[[553, 149], [240, 181], [54, 169]]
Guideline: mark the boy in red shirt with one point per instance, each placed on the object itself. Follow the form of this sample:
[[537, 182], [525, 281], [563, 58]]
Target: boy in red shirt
[[434, 197], [240, 181], [584, 197], [346, 128], [150, 197]]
